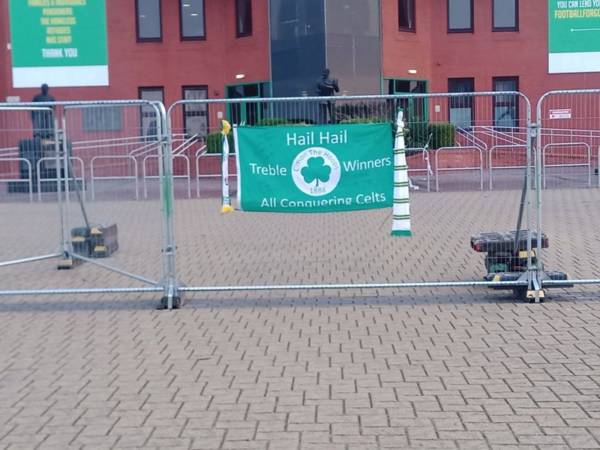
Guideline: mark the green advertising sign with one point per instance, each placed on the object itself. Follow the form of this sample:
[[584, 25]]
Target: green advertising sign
[[315, 168], [59, 42], [573, 36]]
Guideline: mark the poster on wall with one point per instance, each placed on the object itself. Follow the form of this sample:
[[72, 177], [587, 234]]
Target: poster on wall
[[573, 36], [58, 42]]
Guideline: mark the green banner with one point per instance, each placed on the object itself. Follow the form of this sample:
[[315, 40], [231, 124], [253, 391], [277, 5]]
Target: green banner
[[59, 42], [315, 168], [573, 36]]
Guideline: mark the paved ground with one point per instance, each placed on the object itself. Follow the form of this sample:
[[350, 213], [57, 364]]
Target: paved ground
[[351, 370]]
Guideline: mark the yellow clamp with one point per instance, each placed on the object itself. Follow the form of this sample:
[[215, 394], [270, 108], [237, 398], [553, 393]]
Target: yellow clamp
[[226, 127]]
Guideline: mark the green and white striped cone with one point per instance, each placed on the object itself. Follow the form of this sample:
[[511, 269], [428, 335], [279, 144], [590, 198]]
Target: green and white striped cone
[[401, 209]]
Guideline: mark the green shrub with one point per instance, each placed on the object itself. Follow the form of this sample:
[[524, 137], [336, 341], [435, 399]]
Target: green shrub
[[361, 112], [416, 134], [443, 135], [214, 143], [278, 121], [272, 122], [360, 120]]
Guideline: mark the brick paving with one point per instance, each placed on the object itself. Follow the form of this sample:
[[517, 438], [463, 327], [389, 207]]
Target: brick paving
[[451, 368]]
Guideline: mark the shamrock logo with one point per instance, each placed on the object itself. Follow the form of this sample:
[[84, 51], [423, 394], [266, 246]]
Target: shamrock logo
[[316, 169]]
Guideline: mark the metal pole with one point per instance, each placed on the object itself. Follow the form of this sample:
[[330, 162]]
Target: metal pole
[[538, 186], [67, 291], [26, 260], [114, 269], [296, 287], [168, 199], [65, 155], [61, 210], [530, 141]]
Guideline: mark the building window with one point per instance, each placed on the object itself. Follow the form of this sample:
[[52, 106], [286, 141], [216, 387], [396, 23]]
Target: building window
[[415, 109], [249, 112], [506, 107], [243, 18], [406, 15], [149, 126], [148, 21], [461, 108], [195, 115], [108, 118], [191, 16], [460, 16], [506, 15]]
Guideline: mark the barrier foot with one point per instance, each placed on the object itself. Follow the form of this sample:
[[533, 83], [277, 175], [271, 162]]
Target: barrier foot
[[171, 300], [536, 296], [535, 293], [175, 302], [67, 262]]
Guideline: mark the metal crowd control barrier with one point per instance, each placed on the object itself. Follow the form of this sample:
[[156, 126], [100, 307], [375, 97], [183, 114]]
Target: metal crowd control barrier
[[568, 119], [179, 154], [216, 165], [586, 163], [9, 152], [28, 180], [304, 252], [260, 240], [71, 177], [454, 151], [427, 169], [505, 166], [140, 257], [186, 176], [132, 169], [22, 127], [199, 153], [118, 149]]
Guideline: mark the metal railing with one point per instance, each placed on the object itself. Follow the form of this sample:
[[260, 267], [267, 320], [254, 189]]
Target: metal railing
[[491, 166], [63, 178], [133, 175], [453, 151], [425, 158], [577, 127], [587, 163], [28, 180], [131, 158], [91, 145]]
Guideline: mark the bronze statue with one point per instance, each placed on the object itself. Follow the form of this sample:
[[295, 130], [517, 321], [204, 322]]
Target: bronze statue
[[327, 87], [43, 121]]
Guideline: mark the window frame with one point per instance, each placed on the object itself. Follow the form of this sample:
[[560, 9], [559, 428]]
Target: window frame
[[151, 88], [237, 12], [501, 29], [142, 114], [413, 17], [460, 30], [137, 24], [265, 90], [184, 112], [192, 38], [494, 99], [471, 98]]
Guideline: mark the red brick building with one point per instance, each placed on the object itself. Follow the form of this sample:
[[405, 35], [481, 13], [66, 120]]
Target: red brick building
[[230, 48]]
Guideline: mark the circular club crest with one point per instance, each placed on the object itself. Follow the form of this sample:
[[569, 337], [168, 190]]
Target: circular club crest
[[316, 171]]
